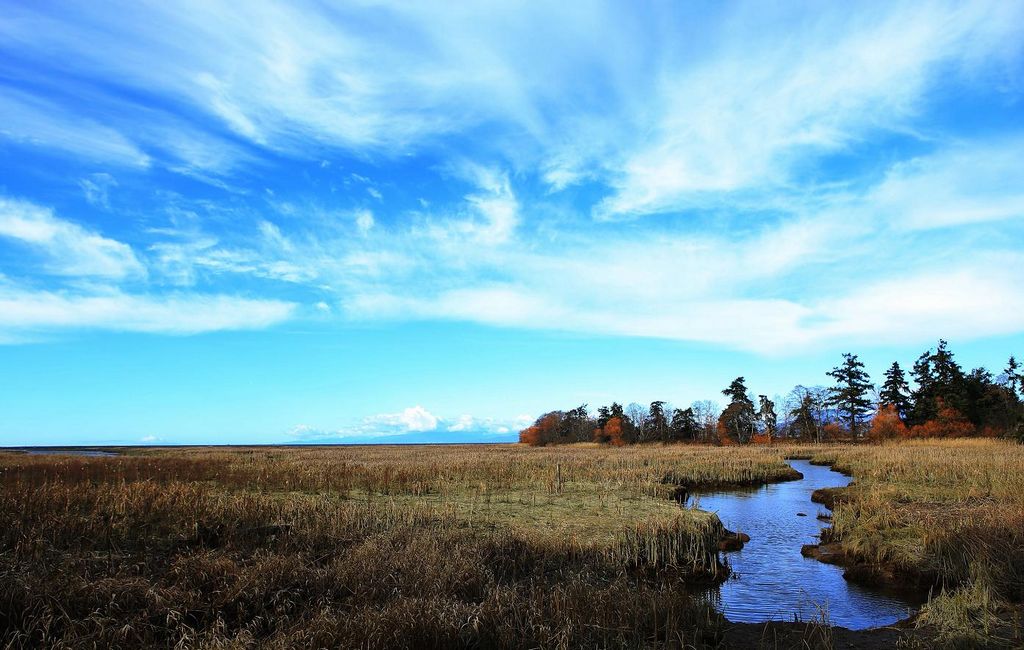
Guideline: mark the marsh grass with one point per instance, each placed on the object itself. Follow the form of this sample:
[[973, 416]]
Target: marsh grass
[[176, 564], [948, 515], [361, 547], [495, 546]]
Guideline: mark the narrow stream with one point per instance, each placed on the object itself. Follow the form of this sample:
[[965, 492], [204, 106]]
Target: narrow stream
[[772, 580], [70, 451]]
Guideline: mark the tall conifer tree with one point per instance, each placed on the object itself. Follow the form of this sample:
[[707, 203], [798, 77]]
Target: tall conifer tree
[[895, 390], [850, 394]]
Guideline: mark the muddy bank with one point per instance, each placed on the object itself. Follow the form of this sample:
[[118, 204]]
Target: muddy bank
[[857, 569], [829, 497], [913, 586], [786, 636], [864, 573], [732, 541]]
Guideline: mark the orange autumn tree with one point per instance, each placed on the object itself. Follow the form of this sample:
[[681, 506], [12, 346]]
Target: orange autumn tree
[[948, 423], [613, 432], [725, 436], [530, 436], [887, 424], [543, 431], [835, 432]]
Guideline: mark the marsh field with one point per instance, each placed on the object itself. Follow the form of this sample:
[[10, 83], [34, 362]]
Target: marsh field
[[488, 546]]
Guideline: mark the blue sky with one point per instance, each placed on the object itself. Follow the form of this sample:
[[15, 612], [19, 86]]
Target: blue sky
[[434, 221]]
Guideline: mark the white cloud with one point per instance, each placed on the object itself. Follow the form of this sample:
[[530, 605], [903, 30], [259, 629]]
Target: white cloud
[[964, 302], [963, 184], [463, 423], [670, 108], [24, 311], [414, 418], [97, 188], [69, 249], [30, 120], [489, 217], [497, 206], [731, 290], [191, 151], [710, 112], [271, 255], [272, 234], [364, 221], [972, 300], [743, 119]]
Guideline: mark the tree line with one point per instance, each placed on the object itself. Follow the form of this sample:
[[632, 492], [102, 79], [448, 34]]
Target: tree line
[[936, 398]]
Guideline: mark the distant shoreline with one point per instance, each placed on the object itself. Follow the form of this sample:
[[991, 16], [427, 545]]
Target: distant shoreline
[[289, 445]]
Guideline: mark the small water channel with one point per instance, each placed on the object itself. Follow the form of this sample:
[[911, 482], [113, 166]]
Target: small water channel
[[773, 581], [70, 451]]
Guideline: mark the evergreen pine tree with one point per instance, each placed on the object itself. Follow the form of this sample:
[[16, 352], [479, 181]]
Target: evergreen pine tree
[[684, 424], [923, 406], [895, 391], [805, 424], [738, 417], [850, 395], [737, 392], [1014, 379], [939, 378], [657, 422], [768, 416]]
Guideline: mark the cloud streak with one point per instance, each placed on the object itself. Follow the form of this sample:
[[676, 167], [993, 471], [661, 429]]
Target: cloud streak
[[68, 248], [93, 271], [27, 312], [791, 166]]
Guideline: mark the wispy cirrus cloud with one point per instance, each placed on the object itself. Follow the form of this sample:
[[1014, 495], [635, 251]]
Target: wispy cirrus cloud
[[793, 162], [92, 272], [718, 287], [760, 111], [31, 312], [97, 187], [844, 265], [963, 184], [66, 248], [38, 122], [718, 106]]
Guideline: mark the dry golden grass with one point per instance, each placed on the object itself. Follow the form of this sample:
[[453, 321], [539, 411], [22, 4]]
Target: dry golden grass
[[920, 504], [948, 514], [372, 546], [484, 546], [583, 492]]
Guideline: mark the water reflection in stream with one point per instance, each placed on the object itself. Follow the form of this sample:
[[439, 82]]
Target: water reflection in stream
[[773, 580]]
